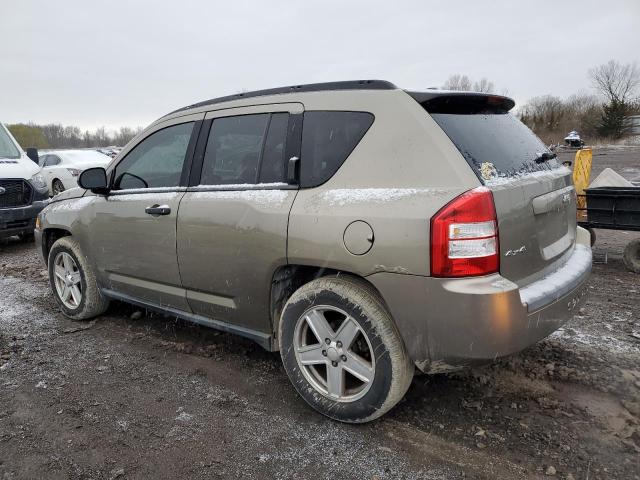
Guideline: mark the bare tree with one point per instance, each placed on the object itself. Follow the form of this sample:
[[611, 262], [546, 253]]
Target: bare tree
[[458, 82], [617, 82], [463, 83], [484, 85], [543, 114]]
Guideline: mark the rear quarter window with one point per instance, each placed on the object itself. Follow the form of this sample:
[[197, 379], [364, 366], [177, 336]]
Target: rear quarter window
[[328, 138]]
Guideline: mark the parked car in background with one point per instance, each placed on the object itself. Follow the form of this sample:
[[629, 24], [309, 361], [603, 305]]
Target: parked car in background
[[61, 168], [23, 191], [110, 151], [360, 229]]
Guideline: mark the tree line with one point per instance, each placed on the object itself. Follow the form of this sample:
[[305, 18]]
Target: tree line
[[601, 115], [55, 135]]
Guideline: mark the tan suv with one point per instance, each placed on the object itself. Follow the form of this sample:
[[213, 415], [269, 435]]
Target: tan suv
[[359, 229]]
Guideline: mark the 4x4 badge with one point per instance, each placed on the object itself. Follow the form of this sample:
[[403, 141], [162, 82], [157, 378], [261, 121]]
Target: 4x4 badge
[[513, 253]]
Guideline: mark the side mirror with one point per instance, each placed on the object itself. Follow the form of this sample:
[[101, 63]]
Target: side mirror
[[32, 153], [94, 179]]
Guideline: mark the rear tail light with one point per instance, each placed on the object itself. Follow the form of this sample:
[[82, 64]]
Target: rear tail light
[[464, 236]]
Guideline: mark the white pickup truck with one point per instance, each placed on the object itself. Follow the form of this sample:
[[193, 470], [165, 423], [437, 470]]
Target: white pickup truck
[[23, 191]]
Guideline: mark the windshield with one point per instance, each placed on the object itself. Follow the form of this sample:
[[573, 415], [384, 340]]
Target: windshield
[[7, 147], [498, 142]]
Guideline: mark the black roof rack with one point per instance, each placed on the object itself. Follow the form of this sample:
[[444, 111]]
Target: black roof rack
[[310, 87]]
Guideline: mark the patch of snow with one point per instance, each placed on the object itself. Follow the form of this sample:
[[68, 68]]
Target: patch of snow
[[344, 196], [554, 284], [122, 425], [69, 205], [257, 197], [605, 342], [134, 195], [501, 179], [184, 417], [242, 186]]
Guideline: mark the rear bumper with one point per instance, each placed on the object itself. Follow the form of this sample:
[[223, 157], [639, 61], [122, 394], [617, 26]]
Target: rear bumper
[[449, 324], [19, 220]]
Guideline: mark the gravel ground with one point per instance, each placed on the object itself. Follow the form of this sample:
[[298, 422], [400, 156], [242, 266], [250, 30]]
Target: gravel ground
[[132, 395]]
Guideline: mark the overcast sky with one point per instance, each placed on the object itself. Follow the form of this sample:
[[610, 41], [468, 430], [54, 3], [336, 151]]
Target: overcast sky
[[116, 62]]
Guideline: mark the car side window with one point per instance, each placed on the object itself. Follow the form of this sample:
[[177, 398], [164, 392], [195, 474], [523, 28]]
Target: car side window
[[156, 161], [51, 160], [246, 149], [233, 150], [328, 138]]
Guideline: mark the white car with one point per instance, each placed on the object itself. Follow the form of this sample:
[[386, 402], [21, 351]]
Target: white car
[[61, 168], [23, 191]]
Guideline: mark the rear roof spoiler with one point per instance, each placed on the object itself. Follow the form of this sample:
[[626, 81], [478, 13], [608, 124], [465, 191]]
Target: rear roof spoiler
[[440, 101]]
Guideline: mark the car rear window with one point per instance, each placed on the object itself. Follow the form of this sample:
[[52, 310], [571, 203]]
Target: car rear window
[[328, 138], [492, 140], [498, 139]]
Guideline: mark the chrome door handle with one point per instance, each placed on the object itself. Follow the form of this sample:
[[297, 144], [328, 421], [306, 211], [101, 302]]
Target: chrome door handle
[[156, 210]]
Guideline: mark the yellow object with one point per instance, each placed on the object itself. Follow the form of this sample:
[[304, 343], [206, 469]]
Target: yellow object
[[581, 176]]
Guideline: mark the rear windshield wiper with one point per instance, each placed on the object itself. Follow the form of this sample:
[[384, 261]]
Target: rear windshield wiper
[[544, 157]]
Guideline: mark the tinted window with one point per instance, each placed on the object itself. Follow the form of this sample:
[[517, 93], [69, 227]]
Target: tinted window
[[497, 138], [157, 161], [327, 140], [233, 150], [272, 164]]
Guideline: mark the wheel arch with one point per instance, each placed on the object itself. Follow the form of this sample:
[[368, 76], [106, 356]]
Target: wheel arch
[[49, 237], [53, 180], [288, 278]]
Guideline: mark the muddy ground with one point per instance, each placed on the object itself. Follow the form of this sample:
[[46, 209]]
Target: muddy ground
[[141, 396]]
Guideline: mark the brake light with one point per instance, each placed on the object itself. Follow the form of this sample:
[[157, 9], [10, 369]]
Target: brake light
[[464, 236]]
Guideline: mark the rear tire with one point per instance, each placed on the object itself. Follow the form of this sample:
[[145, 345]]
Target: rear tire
[[57, 187], [73, 281], [631, 256], [361, 342]]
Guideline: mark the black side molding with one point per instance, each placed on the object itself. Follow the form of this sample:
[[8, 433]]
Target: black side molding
[[263, 339]]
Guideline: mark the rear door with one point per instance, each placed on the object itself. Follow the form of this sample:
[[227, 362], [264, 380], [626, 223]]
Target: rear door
[[232, 225], [534, 196]]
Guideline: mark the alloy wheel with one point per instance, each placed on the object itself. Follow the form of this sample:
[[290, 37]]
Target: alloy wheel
[[334, 353], [67, 280]]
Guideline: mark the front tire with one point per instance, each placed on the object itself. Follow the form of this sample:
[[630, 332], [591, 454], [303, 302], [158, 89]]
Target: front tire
[[342, 350], [73, 281]]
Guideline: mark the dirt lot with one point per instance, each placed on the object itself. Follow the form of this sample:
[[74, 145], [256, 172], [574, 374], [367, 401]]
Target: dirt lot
[[136, 396]]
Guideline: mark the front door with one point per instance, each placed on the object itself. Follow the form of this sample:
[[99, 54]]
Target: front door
[[232, 226], [133, 232]]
